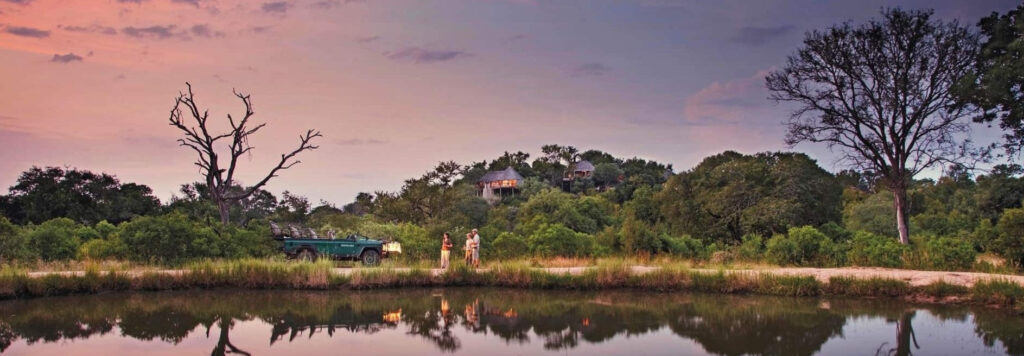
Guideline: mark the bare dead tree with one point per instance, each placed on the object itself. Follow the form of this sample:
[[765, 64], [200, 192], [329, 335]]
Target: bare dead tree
[[884, 94], [220, 178]]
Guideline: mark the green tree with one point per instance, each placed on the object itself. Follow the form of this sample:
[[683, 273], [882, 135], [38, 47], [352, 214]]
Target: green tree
[[997, 83], [730, 194], [887, 108], [55, 239], [42, 194], [1010, 243], [607, 174], [13, 243]]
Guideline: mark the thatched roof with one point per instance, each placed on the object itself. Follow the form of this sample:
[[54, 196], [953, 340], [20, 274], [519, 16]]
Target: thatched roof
[[506, 174], [583, 166]]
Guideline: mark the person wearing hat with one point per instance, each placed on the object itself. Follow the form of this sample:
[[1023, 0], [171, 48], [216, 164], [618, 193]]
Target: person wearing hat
[[476, 249]]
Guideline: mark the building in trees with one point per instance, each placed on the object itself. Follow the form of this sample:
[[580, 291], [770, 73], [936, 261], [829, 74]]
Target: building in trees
[[495, 185], [579, 170]]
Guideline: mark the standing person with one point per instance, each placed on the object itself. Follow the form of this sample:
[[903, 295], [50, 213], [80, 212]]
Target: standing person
[[446, 251], [476, 249], [469, 249]]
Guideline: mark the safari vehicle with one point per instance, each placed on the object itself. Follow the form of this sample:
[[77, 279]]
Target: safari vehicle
[[305, 244]]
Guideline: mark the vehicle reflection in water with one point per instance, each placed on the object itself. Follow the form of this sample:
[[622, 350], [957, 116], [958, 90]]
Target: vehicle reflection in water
[[527, 321]]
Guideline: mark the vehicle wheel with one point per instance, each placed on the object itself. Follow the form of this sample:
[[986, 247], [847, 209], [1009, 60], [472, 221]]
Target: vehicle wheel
[[370, 258], [307, 256]]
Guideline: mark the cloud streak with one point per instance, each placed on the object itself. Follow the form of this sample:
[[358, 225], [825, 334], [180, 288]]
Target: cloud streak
[[154, 32], [27, 32], [276, 7], [752, 35], [425, 56], [592, 69], [66, 58]]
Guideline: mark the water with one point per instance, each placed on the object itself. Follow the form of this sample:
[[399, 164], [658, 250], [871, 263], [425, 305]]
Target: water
[[495, 322]]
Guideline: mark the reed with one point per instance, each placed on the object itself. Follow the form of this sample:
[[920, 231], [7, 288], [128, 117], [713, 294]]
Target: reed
[[607, 274]]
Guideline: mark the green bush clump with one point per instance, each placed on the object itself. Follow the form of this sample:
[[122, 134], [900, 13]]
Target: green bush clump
[[684, 246], [13, 242], [752, 247], [508, 245], [800, 246], [867, 249], [951, 253], [55, 239], [174, 238], [1010, 242], [557, 240]]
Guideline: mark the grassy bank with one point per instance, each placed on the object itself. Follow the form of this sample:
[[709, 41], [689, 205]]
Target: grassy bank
[[269, 274]]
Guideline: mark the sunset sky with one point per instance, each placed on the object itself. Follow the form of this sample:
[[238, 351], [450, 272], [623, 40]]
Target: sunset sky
[[397, 86]]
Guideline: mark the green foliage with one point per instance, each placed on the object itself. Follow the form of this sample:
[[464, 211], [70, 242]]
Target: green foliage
[[103, 249], [55, 239], [874, 214], [510, 245], [995, 84], [637, 236], [752, 247], [174, 238], [947, 252], [985, 235], [684, 246], [1010, 242], [800, 246], [730, 194], [42, 194], [557, 240], [14, 244], [607, 173], [868, 249]]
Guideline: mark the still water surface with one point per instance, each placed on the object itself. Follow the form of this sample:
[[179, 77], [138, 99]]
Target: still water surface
[[495, 322]]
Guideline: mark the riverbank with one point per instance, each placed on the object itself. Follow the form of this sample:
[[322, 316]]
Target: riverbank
[[917, 286]]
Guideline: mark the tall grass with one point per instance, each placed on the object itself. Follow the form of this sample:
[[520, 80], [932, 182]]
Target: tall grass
[[607, 274]]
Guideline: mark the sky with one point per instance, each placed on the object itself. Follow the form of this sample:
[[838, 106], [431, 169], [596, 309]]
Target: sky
[[398, 86]]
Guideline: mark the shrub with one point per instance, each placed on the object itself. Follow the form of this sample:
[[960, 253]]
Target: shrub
[[985, 235], [1010, 242], [867, 249], [752, 247], [101, 249], [55, 239], [509, 245], [558, 240], [13, 243], [174, 238], [802, 245], [684, 246], [949, 252]]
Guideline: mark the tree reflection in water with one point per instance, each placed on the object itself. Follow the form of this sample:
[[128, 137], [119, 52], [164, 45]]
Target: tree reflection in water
[[722, 325]]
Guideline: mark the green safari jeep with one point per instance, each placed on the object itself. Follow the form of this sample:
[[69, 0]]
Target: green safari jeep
[[353, 247]]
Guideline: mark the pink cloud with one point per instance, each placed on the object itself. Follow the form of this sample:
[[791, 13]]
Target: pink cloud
[[728, 101]]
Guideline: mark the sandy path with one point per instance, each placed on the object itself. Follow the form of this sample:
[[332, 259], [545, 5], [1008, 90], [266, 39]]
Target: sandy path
[[915, 278]]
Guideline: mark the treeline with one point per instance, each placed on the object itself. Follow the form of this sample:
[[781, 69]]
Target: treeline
[[776, 206]]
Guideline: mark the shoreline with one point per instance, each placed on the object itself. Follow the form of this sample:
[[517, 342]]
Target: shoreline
[[932, 287]]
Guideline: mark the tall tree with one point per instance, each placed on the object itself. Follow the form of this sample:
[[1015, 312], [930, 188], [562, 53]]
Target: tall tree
[[883, 94], [997, 84], [220, 176], [41, 194]]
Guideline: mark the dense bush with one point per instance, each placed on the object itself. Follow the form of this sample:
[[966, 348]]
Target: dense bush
[[13, 243], [752, 247], [1010, 242], [868, 249], [949, 252], [685, 246], [558, 240], [174, 238], [55, 239], [800, 246], [510, 245]]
